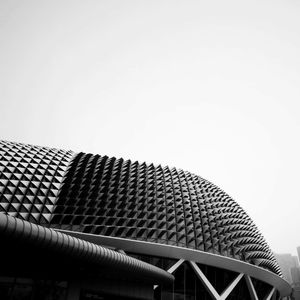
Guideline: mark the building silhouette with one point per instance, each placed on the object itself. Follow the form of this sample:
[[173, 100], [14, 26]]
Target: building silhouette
[[83, 226], [290, 268]]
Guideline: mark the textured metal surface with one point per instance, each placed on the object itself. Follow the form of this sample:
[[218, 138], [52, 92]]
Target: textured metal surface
[[62, 244], [113, 197], [30, 178]]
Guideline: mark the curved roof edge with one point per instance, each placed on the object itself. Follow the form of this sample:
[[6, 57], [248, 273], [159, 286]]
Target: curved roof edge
[[61, 243], [202, 257]]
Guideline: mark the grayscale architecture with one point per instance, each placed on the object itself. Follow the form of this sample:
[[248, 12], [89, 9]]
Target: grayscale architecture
[[289, 265], [83, 226], [287, 262]]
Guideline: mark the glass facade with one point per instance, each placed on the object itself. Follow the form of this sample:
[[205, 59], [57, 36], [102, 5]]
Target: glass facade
[[92, 295], [29, 289], [261, 288], [188, 286], [32, 289]]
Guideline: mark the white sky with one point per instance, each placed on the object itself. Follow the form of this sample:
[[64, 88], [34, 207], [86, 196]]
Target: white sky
[[212, 87]]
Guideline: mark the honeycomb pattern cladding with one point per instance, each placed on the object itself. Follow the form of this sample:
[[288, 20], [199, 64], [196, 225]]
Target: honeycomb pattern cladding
[[30, 178], [113, 197]]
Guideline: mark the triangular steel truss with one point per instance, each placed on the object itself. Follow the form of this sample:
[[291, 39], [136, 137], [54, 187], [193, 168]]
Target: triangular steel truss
[[227, 291]]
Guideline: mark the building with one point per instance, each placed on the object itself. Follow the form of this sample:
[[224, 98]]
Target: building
[[83, 226], [286, 262], [290, 268]]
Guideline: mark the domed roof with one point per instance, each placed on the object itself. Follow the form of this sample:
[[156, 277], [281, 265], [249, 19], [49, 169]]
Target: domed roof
[[107, 196]]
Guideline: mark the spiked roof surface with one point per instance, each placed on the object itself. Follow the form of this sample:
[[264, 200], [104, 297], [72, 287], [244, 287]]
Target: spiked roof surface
[[120, 198]]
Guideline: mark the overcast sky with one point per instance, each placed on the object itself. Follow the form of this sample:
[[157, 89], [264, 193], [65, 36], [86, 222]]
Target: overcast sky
[[212, 87]]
